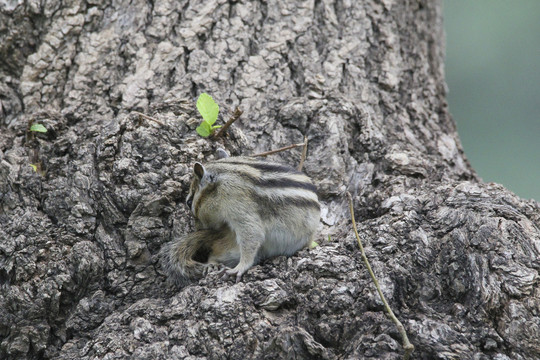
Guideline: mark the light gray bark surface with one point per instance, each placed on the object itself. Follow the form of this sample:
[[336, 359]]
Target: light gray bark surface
[[80, 276]]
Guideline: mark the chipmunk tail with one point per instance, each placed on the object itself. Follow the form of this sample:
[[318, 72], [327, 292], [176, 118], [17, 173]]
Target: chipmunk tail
[[183, 258]]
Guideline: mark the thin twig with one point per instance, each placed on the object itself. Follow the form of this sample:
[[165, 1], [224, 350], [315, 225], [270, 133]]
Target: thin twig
[[407, 346], [304, 153], [149, 118], [278, 150], [237, 113]]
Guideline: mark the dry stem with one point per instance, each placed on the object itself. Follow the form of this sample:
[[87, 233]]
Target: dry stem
[[278, 150], [149, 118], [407, 346], [304, 153], [234, 117]]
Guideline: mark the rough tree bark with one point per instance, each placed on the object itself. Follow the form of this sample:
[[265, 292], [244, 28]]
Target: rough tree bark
[[457, 258]]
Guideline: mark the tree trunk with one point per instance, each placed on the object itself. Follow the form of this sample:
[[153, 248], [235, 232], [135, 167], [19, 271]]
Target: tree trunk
[[80, 235]]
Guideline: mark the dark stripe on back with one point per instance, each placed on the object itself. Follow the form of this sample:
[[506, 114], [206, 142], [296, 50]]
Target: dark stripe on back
[[274, 205], [305, 203], [283, 182], [268, 209], [275, 183], [286, 183]]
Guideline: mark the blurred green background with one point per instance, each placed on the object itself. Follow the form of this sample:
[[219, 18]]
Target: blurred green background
[[493, 74]]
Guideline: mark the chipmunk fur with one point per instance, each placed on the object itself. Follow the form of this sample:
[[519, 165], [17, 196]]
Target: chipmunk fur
[[246, 210]]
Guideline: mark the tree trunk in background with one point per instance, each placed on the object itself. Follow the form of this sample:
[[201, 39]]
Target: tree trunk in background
[[80, 276]]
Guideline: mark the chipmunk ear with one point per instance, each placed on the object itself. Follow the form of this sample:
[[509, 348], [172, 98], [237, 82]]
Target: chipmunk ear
[[198, 170], [221, 154]]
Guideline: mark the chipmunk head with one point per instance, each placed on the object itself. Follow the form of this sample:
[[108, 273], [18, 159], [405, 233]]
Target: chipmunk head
[[202, 180]]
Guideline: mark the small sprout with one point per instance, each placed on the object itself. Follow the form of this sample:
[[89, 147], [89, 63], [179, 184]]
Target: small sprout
[[34, 166], [313, 245], [329, 238], [204, 129], [209, 111], [38, 128]]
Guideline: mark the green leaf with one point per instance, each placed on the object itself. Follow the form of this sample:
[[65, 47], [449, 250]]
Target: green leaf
[[34, 167], [204, 129], [313, 245], [38, 128], [208, 108]]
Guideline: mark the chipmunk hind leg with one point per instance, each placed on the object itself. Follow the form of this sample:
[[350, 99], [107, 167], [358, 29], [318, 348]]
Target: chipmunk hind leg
[[225, 251], [249, 241]]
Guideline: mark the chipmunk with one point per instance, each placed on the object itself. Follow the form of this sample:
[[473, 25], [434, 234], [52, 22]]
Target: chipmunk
[[246, 210]]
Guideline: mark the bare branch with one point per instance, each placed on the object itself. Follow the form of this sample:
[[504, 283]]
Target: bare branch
[[278, 150], [237, 113], [407, 346], [149, 118], [304, 153]]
